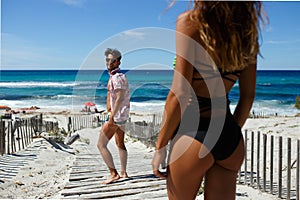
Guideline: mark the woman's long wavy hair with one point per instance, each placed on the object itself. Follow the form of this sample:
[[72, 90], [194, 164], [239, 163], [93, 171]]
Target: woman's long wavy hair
[[229, 31]]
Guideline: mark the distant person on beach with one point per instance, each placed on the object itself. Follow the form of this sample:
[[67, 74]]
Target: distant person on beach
[[216, 45], [118, 104]]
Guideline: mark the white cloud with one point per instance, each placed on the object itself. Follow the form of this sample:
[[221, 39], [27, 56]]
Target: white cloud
[[282, 41], [134, 34], [269, 29], [74, 3], [276, 42]]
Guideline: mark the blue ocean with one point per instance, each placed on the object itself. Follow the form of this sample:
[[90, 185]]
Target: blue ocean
[[276, 91]]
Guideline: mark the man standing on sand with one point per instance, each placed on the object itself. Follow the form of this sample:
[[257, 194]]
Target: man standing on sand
[[118, 104]]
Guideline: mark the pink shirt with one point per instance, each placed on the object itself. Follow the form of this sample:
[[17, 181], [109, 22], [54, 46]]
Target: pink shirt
[[119, 81]]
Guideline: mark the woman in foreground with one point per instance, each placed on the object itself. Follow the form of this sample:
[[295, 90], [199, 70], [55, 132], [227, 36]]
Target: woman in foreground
[[216, 45]]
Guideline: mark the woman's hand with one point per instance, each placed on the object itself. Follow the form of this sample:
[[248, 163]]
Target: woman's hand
[[159, 159]]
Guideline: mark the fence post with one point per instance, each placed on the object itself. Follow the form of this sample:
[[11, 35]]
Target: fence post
[[280, 167], [22, 134], [24, 128], [40, 123], [153, 129], [252, 158], [69, 125], [2, 137], [298, 169], [271, 163], [264, 161], [289, 169], [258, 160], [18, 138], [245, 170], [10, 134]]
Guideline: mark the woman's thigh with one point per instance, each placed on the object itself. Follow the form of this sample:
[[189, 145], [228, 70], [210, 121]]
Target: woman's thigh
[[185, 168], [220, 183], [220, 180]]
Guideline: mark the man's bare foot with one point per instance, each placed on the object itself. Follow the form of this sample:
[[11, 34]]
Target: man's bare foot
[[123, 175], [111, 179]]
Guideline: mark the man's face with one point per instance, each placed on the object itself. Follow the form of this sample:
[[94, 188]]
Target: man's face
[[111, 62]]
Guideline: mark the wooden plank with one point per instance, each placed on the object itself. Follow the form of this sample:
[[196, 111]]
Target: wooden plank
[[81, 183], [121, 193], [85, 170], [107, 190], [12, 165], [8, 174], [82, 177], [120, 184], [161, 194]]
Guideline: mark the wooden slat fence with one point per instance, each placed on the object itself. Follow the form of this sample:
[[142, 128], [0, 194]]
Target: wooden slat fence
[[271, 164], [17, 134], [145, 131], [79, 121]]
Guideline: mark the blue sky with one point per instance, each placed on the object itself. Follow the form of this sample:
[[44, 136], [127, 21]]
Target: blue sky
[[72, 34]]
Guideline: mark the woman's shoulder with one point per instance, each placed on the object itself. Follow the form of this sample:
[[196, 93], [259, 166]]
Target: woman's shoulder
[[185, 24], [184, 17]]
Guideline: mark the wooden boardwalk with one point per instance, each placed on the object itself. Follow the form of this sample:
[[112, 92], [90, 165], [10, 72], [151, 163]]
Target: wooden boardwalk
[[89, 170], [10, 164]]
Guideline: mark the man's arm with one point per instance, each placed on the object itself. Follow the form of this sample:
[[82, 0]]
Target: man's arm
[[108, 106], [120, 97]]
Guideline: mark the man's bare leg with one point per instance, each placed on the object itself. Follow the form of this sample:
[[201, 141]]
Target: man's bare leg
[[114, 176], [105, 135], [119, 136]]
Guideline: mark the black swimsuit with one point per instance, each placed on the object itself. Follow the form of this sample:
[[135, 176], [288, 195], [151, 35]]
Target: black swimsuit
[[226, 138]]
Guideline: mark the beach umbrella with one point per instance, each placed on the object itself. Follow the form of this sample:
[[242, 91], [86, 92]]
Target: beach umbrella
[[2, 107], [89, 103]]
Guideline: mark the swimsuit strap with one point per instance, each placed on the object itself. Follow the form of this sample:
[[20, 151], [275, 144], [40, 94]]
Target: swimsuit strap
[[224, 75], [204, 103]]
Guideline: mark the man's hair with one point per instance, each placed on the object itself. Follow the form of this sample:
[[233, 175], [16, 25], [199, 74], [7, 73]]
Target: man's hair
[[116, 53]]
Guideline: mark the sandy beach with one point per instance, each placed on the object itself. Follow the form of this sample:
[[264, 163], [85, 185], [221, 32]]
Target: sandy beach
[[45, 175]]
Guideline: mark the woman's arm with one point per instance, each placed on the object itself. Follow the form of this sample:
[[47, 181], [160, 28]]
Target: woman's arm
[[247, 84], [179, 94]]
